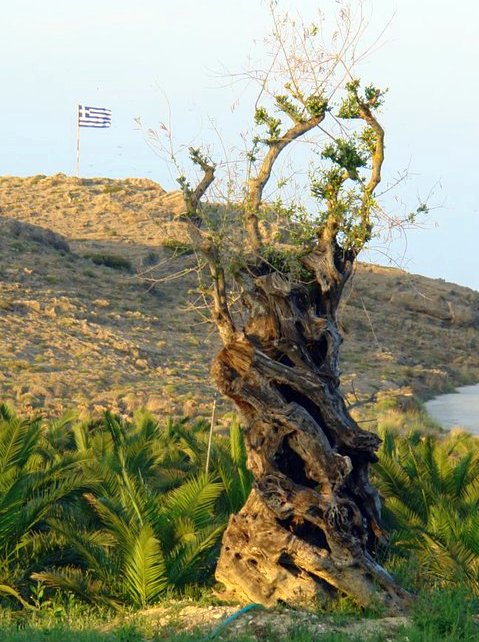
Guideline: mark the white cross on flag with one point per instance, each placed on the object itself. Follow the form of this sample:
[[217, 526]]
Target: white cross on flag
[[93, 116]]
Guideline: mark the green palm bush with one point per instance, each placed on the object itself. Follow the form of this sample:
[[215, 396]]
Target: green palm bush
[[431, 491], [154, 521], [164, 453], [143, 544], [229, 462], [121, 511], [34, 486]]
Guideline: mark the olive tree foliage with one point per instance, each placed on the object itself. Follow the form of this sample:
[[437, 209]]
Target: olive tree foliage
[[310, 95], [277, 268]]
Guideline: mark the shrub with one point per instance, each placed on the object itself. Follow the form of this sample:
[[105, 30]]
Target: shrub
[[111, 260], [431, 492], [112, 189], [178, 247], [115, 511], [150, 259]]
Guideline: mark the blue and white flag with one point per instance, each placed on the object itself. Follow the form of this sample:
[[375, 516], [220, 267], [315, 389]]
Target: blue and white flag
[[93, 116]]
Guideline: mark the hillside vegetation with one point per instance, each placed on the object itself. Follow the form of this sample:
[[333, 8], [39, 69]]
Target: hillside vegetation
[[94, 314]]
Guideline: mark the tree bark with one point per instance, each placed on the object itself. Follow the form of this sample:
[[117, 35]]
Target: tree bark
[[309, 528]]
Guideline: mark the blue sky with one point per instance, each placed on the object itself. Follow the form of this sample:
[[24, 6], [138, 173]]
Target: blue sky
[[60, 53]]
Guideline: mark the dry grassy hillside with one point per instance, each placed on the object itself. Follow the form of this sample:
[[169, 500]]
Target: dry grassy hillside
[[84, 325]]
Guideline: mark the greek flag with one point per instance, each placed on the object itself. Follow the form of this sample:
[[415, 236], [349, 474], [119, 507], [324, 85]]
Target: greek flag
[[93, 116]]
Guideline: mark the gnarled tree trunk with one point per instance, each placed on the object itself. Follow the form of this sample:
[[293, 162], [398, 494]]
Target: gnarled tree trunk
[[309, 527]]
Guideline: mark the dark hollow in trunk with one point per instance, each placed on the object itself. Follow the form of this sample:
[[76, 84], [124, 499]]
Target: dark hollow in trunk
[[308, 529]]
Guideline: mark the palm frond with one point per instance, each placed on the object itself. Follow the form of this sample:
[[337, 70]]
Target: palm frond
[[18, 439], [80, 583], [144, 569], [196, 499], [189, 559], [12, 592]]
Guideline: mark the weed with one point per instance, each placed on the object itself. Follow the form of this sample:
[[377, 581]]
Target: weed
[[446, 616]]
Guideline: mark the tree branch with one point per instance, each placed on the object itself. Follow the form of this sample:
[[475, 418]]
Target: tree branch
[[377, 162], [192, 197], [257, 184], [378, 156], [203, 243]]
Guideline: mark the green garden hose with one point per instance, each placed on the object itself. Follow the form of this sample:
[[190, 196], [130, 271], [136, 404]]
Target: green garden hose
[[230, 619]]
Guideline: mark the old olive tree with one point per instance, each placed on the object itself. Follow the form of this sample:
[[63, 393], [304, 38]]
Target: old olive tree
[[277, 270]]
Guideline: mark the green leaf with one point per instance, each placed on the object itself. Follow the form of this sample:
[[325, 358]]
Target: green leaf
[[145, 576]]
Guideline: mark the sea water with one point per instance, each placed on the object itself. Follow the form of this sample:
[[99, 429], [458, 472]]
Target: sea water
[[459, 408]]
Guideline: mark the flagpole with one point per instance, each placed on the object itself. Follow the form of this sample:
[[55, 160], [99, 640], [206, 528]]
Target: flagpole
[[78, 141], [210, 436]]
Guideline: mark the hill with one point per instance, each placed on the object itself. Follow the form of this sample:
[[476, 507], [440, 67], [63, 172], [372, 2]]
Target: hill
[[98, 307]]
